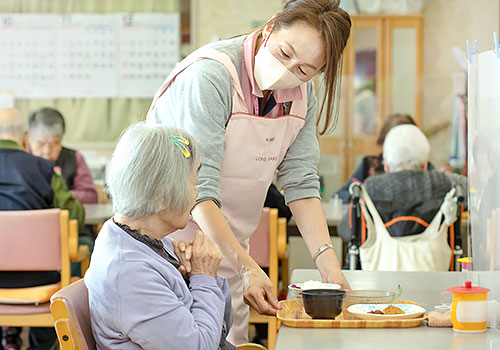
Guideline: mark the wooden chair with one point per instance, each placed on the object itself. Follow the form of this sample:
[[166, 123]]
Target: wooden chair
[[267, 245], [70, 309], [35, 240]]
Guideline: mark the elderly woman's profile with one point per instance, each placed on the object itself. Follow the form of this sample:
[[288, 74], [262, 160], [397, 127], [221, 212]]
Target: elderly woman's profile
[[145, 290]]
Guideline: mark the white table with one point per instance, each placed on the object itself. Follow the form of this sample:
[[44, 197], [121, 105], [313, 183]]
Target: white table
[[422, 287], [96, 214]]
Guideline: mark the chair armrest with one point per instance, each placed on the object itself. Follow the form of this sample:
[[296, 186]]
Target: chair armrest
[[66, 334], [73, 240], [83, 252], [282, 244]]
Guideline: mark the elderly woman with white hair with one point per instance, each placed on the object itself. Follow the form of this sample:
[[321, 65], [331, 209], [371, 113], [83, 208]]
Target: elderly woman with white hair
[[47, 128], [407, 188], [145, 290]]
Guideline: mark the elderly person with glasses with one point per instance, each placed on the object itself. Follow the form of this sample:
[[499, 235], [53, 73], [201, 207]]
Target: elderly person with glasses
[[47, 129], [147, 291]]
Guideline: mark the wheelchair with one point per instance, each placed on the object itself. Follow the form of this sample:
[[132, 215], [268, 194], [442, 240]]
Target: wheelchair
[[359, 231]]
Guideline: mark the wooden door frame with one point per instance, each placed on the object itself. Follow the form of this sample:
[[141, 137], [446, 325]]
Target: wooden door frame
[[347, 146], [365, 144], [414, 21]]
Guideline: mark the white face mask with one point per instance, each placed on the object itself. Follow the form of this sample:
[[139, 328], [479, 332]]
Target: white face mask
[[270, 73]]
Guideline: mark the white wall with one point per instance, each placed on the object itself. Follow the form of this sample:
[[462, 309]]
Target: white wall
[[214, 19]]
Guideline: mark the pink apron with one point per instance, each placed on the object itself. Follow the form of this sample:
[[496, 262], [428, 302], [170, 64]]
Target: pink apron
[[254, 146]]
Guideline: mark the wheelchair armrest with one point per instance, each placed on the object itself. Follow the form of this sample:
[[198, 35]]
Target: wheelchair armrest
[[459, 193], [355, 191]]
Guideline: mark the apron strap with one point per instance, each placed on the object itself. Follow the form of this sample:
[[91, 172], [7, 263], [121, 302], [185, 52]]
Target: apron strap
[[202, 53], [448, 209], [377, 223]]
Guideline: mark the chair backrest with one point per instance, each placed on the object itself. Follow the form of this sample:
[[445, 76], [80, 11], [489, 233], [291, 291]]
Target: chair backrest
[[70, 308], [30, 240], [259, 241], [264, 244]]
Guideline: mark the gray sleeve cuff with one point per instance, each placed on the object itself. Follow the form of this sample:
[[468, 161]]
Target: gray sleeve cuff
[[215, 200], [300, 193]]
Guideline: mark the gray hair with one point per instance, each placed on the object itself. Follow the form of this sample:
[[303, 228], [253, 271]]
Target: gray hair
[[406, 148], [47, 121], [14, 127], [149, 173]]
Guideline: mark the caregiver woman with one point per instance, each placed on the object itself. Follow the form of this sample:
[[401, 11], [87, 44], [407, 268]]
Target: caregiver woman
[[250, 103]]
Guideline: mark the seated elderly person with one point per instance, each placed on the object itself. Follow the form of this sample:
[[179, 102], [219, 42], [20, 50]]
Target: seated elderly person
[[407, 188], [374, 164], [147, 291], [29, 182], [47, 129]]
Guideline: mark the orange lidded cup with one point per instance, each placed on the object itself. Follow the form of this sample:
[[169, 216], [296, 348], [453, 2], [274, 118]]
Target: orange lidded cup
[[469, 308]]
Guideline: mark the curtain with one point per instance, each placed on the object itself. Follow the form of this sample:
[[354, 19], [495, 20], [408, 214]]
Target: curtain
[[97, 119]]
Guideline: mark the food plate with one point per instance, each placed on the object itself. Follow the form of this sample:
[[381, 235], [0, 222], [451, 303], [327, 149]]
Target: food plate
[[313, 285], [362, 311]]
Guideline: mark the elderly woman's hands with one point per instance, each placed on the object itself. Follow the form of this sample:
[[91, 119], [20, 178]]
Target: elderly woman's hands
[[198, 257], [184, 251]]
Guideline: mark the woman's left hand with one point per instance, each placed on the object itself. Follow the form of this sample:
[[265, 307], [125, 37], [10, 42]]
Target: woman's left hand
[[329, 269]]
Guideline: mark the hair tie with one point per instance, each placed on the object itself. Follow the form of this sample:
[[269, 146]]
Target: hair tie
[[181, 144]]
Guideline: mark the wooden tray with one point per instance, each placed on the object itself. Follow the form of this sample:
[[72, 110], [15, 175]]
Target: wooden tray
[[292, 314]]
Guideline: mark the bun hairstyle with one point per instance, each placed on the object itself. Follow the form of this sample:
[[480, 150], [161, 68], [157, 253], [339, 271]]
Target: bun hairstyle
[[391, 121], [334, 25]]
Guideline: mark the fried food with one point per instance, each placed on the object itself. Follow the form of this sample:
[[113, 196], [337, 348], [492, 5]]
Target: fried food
[[393, 310], [390, 310], [377, 312]]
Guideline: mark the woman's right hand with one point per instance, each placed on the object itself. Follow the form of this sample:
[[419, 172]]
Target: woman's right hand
[[205, 256], [259, 292]]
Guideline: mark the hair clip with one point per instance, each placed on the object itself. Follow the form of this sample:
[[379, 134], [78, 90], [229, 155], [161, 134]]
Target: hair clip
[[181, 144]]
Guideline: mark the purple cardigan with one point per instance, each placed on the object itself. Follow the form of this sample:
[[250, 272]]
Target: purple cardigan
[[140, 301]]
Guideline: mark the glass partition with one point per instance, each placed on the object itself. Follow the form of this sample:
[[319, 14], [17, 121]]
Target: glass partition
[[366, 49], [484, 160]]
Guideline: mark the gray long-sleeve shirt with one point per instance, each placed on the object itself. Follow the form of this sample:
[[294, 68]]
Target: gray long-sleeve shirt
[[199, 100]]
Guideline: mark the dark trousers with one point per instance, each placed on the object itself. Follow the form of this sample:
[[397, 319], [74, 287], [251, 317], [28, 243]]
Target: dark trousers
[[40, 338]]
